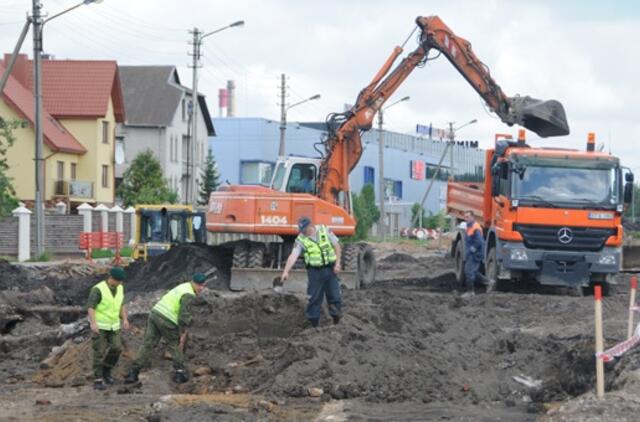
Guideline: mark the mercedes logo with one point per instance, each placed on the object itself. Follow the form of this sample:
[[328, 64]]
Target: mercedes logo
[[565, 235]]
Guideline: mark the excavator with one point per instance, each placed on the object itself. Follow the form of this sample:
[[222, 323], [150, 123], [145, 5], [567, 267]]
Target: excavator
[[273, 211]]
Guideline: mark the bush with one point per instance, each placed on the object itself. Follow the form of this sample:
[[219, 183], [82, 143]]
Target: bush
[[43, 257], [102, 253], [365, 211]]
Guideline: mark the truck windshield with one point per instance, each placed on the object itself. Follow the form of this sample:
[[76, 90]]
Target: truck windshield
[[585, 187], [278, 177]]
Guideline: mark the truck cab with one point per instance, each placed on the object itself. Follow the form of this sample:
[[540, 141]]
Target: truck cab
[[554, 215]]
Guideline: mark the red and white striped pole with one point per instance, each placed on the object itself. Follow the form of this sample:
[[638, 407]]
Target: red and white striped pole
[[599, 342], [632, 302]]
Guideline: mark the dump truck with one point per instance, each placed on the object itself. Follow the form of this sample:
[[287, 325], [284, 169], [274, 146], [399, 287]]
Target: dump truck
[[552, 215], [273, 210]]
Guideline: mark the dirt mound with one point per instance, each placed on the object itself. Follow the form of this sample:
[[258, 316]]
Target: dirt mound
[[177, 265], [399, 258]]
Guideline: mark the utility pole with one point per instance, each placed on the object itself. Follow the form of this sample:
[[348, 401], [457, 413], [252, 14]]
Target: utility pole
[[382, 222], [452, 137], [37, 22], [193, 139], [283, 113]]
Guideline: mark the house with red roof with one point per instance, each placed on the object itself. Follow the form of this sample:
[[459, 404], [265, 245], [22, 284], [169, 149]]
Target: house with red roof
[[82, 103]]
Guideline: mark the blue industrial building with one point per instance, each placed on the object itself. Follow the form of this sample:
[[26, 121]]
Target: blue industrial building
[[246, 150]]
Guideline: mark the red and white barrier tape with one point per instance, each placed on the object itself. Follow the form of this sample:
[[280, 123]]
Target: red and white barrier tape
[[620, 348]]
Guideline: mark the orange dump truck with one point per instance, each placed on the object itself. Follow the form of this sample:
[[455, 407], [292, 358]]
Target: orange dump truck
[[552, 215]]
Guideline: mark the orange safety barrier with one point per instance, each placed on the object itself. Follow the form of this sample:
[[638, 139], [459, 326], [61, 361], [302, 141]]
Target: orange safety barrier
[[101, 240]]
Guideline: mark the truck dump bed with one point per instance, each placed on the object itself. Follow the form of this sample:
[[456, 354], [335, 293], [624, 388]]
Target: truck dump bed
[[463, 197]]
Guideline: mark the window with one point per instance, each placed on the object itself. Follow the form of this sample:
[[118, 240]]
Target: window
[[392, 189], [302, 179], [184, 109], [369, 175], [60, 171], [171, 148], [255, 172], [105, 176], [74, 171], [105, 132]]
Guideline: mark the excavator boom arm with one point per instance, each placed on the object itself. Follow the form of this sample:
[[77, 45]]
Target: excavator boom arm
[[343, 147]]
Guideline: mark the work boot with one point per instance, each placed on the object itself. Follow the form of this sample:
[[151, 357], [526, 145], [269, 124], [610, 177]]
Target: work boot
[[491, 286], [180, 377], [106, 375], [336, 319], [98, 384], [314, 322], [132, 377]]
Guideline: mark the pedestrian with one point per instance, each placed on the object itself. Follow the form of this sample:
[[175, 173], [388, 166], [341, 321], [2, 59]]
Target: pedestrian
[[474, 251], [321, 251], [105, 311], [169, 319]]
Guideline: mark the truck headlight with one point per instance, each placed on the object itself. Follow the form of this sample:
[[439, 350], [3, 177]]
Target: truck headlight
[[519, 254], [607, 260]]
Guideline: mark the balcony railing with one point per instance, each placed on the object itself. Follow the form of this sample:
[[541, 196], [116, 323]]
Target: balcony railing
[[74, 188]]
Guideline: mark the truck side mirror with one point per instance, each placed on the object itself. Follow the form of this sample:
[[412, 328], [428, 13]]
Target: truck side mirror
[[628, 192], [628, 177]]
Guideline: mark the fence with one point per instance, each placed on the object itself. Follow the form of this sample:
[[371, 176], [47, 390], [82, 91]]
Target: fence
[[61, 232]]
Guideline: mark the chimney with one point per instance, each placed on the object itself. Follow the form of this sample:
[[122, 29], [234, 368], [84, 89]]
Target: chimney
[[223, 102], [591, 142], [231, 99]]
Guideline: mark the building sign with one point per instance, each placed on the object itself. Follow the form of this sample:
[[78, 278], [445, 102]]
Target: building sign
[[417, 169], [431, 132]]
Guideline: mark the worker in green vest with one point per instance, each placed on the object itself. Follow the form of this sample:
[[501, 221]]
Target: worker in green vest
[[105, 311], [321, 250], [169, 319]]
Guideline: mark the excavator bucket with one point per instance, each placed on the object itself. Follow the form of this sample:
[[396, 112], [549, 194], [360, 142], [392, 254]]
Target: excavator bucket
[[546, 118]]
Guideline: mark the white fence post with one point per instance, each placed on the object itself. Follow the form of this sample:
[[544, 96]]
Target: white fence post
[[104, 217], [119, 223], [132, 223], [86, 210], [24, 232]]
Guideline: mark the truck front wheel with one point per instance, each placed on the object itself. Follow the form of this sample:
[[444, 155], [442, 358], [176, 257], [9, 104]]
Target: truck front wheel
[[491, 269]]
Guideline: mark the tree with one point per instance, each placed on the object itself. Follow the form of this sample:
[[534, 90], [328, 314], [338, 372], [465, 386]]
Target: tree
[[143, 182], [8, 200], [415, 210], [365, 211], [210, 178]]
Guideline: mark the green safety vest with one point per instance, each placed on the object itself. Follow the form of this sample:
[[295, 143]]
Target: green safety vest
[[169, 304], [321, 253], [108, 310]]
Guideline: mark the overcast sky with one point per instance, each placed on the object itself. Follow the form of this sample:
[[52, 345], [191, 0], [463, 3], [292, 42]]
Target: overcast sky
[[583, 53]]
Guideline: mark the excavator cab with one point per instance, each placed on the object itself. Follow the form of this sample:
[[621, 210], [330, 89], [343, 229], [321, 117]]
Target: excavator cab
[[159, 227], [296, 175]]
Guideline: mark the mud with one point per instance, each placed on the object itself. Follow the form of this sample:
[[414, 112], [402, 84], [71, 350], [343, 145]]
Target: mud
[[408, 348]]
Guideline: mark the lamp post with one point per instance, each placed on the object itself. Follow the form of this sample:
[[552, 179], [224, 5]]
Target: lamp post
[[38, 24], [381, 221], [283, 118], [198, 37]]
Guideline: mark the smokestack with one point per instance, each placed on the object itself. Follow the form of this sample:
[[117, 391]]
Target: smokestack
[[591, 142], [231, 99], [223, 102]]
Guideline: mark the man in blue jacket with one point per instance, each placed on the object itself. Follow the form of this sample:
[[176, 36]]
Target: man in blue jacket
[[474, 251]]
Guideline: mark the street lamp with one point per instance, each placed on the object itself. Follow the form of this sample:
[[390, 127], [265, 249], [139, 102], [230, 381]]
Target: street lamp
[[381, 221], [283, 120], [197, 43], [38, 23]]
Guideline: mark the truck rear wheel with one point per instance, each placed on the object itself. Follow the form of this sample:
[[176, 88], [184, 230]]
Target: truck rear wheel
[[458, 256], [491, 269]]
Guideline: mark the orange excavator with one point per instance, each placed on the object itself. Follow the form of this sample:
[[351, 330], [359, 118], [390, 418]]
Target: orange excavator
[[273, 211]]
